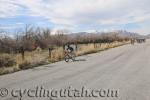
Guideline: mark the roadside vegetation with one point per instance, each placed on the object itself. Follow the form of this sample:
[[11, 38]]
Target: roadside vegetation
[[32, 47]]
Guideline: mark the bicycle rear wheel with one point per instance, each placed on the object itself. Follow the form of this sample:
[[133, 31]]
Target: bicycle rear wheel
[[67, 58]]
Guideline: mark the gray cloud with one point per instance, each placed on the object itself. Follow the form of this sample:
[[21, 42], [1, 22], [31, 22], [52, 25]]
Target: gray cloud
[[72, 13]]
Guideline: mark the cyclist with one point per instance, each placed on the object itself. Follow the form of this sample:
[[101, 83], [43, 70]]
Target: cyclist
[[69, 54]]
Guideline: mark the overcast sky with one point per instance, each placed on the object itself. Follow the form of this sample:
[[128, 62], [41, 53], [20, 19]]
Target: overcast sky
[[77, 15]]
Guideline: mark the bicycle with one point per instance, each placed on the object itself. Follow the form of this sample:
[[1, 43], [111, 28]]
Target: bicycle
[[69, 56]]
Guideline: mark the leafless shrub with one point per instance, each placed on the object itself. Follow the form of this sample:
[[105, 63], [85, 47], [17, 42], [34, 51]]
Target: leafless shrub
[[7, 60], [32, 37]]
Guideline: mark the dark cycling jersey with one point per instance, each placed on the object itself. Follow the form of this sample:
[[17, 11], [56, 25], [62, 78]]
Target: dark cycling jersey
[[69, 48]]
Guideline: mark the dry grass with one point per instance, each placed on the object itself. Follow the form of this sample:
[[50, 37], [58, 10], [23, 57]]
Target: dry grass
[[32, 59], [7, 64], [36, 58], [7, 60], [57, 55], [92, 48]]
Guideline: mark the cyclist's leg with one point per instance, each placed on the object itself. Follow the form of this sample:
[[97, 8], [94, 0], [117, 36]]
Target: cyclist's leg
[[73, 55], [66, 56]]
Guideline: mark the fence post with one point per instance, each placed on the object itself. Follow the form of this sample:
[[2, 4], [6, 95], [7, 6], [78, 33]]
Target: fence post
[[63, 47], [22, 52], [95, 45], [50, 52]]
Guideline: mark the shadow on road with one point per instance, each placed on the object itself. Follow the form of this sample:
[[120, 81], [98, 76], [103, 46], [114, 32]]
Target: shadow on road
[[79, 60]]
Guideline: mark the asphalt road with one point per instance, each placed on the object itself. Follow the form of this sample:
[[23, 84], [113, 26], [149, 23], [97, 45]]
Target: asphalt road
[[125, 70]]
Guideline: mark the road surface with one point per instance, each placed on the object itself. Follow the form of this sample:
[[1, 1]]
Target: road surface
[[124, 69]]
